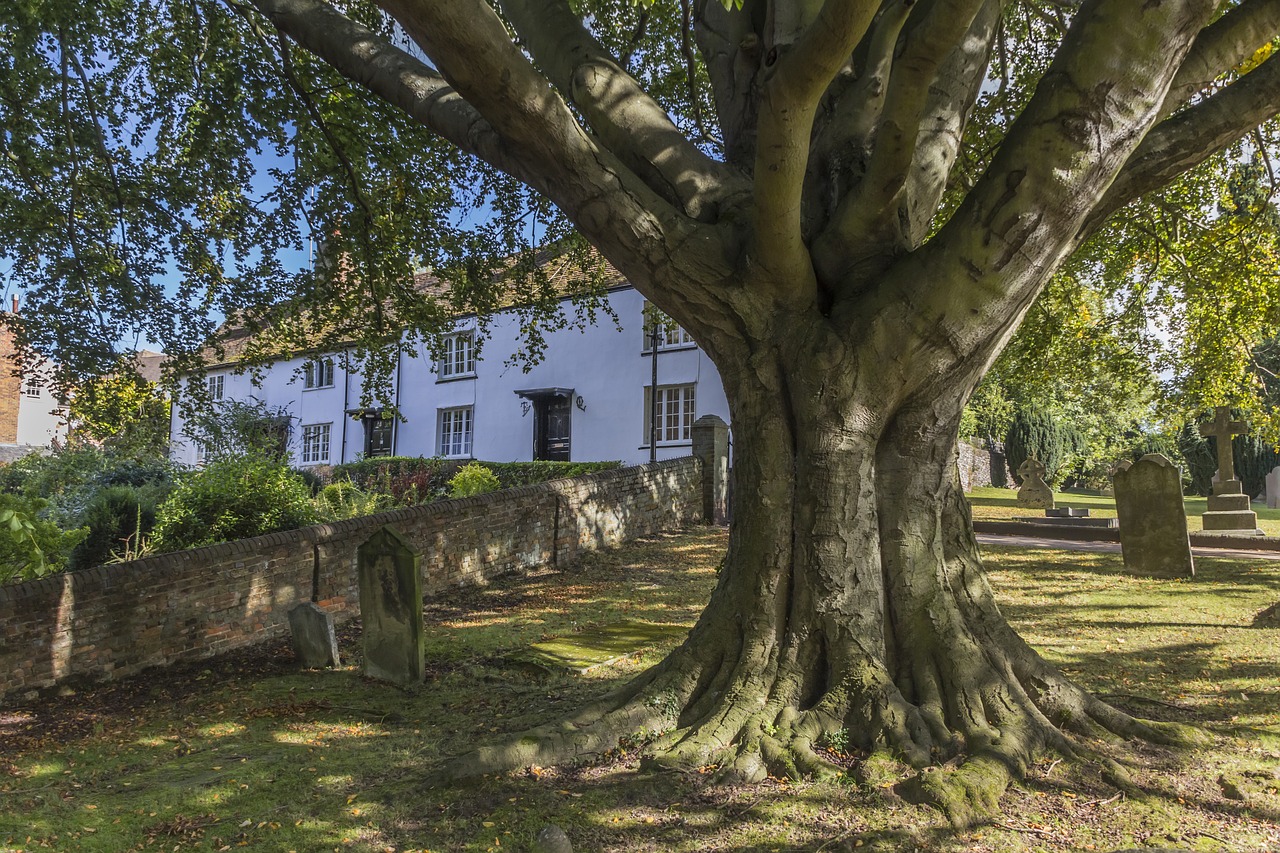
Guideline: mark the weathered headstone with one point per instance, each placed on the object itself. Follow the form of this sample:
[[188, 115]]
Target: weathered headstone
[[1273, 488], [314, 640], [1035, 492], [1228, 505], [391, 608], [1153, 520]]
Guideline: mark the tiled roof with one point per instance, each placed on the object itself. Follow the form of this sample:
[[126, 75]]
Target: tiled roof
[[560, 269]]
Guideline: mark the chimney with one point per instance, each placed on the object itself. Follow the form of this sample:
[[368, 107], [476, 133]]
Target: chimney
[[15, 303]]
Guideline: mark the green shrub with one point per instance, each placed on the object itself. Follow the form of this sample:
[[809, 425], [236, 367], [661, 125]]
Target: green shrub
[[233, 497], [473, 479], [30, 546], [512, 474], [343, 500], [1033, 433], [1199, 457], [119, 519], [408, 480], [1253, 459]]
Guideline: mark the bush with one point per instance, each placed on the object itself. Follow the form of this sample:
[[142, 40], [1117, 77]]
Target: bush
[[512, 474], [340, 501], [473, 479], [118, 518], [1199, 457], [1033, 433], [31, 547], [408, 480], [233, 497]]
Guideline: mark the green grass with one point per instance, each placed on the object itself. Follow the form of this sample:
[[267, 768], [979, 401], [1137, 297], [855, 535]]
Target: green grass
[[995, 504], [248, 754]]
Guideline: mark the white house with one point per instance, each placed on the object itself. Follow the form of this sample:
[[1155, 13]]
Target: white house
[[588, 400]]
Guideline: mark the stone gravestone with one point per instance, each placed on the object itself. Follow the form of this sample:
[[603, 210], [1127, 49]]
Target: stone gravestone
[[314, 640], [1153, 520], [1035, 492], [391, 608], [1228, 505], [1273, 488]]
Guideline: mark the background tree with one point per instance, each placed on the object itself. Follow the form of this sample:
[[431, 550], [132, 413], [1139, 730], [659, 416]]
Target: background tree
[[123, 412], [851, 206]]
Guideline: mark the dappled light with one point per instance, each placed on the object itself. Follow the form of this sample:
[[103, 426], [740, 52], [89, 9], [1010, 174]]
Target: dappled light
[[248, 752]]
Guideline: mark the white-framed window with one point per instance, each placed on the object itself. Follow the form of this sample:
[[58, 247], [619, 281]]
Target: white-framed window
[[456, 427], [315, 443], [318, 373], [671, 336], [202, 452], [217, 386], [673, 414], [34, 387], [459, 356]]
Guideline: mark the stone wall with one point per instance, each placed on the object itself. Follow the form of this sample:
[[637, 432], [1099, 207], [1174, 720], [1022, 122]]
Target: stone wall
[[982, 467], [117, 620]]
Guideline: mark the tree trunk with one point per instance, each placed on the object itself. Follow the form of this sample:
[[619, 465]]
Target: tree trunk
[[852, 609]]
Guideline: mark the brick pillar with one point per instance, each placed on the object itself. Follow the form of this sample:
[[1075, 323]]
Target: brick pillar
[[711, 445]]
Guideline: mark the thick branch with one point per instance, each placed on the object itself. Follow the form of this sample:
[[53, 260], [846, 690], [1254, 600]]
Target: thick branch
[[388, 72], [1221, 46], [625, 118], [973, 282], [730, 44], [790, 99], [871, 210], [1192, 136], [632, 226]]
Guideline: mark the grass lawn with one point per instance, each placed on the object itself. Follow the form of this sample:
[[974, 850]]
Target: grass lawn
[[995, 504], [248, 753]]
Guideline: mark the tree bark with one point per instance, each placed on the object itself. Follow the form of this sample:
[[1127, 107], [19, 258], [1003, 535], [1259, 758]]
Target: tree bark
[[851, 609]]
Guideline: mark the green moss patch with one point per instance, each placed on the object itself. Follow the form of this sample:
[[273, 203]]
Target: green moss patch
[[597, 646]]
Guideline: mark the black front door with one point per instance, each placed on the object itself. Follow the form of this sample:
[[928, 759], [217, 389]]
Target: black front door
[[377, 436], [551, 429]]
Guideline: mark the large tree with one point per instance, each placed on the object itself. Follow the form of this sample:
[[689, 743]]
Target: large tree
[[850, 204]]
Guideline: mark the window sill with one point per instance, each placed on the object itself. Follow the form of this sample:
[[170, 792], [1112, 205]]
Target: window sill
[[662, 445], [455, 378], [320, 388]]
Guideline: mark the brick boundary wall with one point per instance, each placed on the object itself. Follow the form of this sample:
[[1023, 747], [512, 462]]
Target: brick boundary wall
[[113, 621]]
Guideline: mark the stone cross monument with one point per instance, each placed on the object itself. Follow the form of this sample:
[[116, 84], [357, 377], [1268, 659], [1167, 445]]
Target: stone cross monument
[[1228, 505], [1034, 492]]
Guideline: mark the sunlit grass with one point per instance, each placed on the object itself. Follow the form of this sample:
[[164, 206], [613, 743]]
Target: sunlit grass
[[990, 503], [313, 761]]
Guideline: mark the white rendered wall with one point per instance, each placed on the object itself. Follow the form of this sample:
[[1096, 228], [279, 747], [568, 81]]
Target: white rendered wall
[[605, 366], [41, 418]]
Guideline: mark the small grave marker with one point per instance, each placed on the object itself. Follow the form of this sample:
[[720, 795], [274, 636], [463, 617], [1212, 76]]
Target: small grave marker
[[314, 640], [391, 608]]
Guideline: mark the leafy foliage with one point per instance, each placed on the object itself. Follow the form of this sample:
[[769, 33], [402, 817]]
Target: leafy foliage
[[119, 519], [234, 497], [472, 479], [409, 480], [512, 474], [343, 500], [123, 412], [1034, 433], [31, 546], [240, 427]]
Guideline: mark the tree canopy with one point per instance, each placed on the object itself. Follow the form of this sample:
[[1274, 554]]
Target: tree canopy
[[850, 204]]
